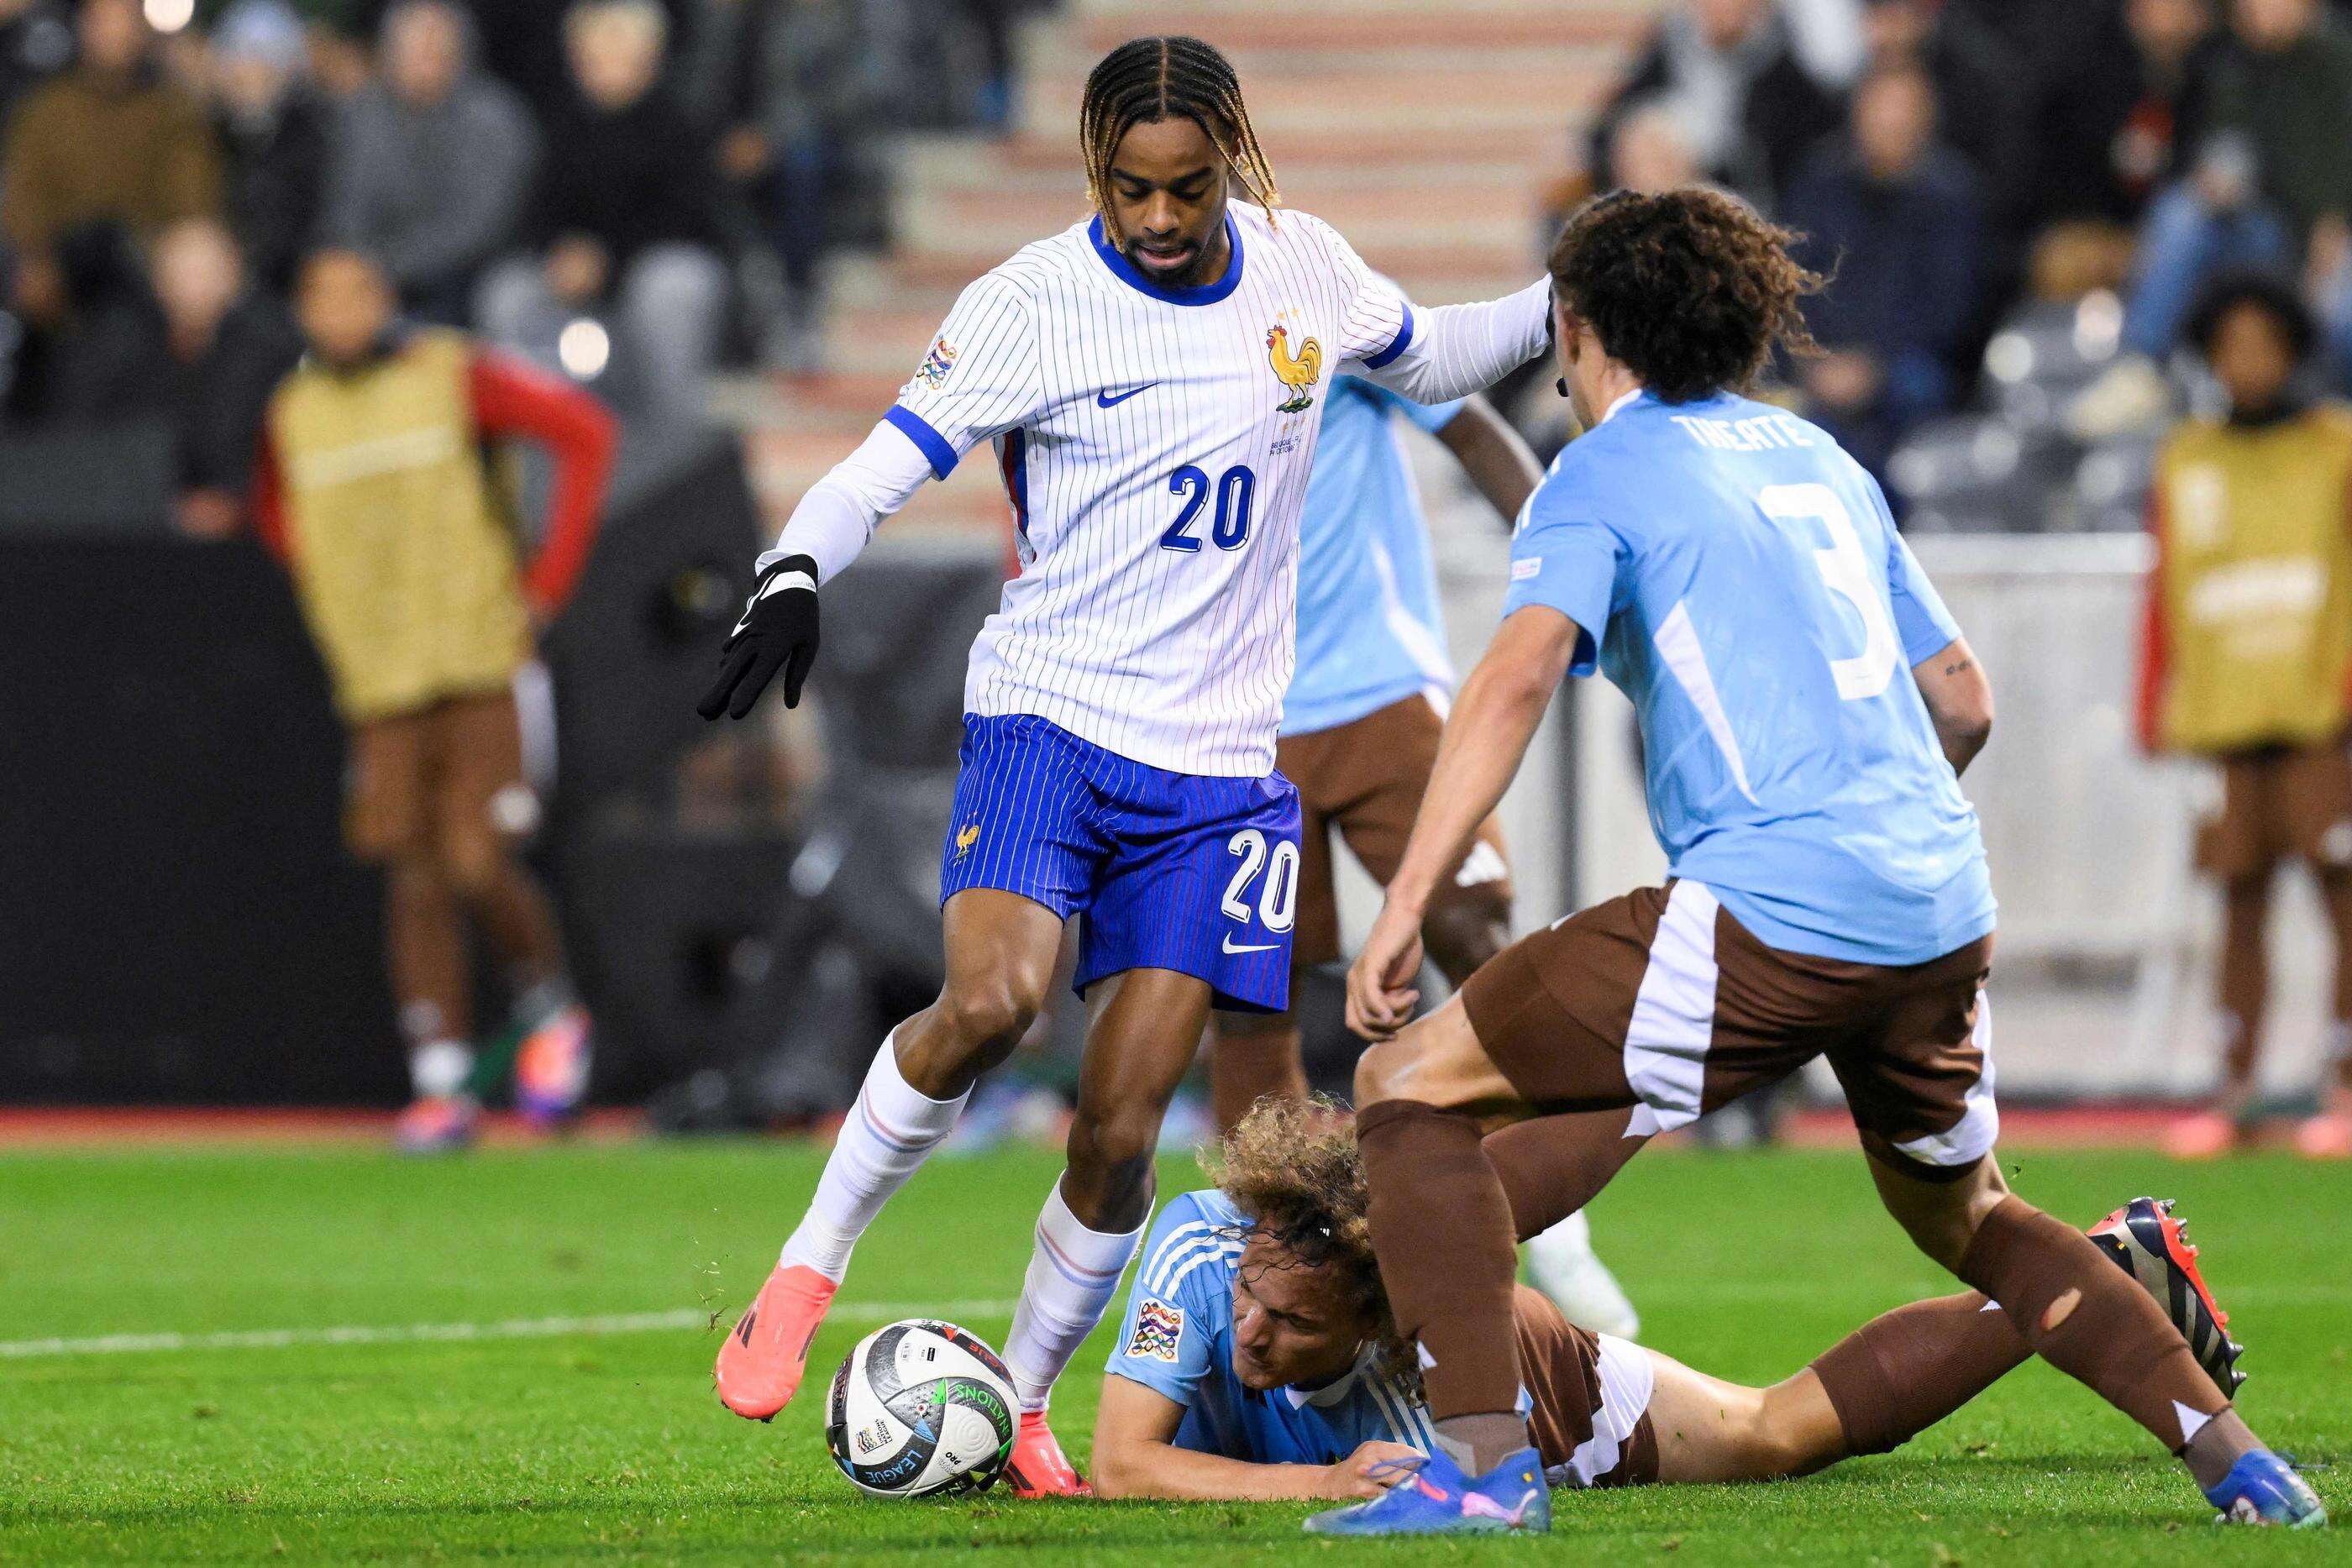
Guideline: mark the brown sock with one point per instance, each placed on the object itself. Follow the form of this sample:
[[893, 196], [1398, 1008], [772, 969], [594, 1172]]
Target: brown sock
[[2091, 1322], [1553, 1165], [1442, 1231], [1904, 1371]]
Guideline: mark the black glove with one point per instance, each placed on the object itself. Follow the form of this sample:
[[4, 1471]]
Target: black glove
[[778, 631]]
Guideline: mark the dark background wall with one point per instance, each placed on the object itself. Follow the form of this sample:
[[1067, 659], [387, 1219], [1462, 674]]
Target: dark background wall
[[179, 921]]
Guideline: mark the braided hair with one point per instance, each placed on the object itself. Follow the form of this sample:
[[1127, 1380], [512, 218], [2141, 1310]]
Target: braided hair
[[1146, 80]]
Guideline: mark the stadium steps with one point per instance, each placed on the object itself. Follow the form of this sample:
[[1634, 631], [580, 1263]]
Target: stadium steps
[[1425, 133]]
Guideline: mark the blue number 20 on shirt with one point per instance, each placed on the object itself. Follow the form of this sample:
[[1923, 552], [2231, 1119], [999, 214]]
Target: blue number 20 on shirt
[[1746, 587]]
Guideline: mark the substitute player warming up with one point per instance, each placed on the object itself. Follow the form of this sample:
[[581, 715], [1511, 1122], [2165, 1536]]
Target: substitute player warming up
[[1740, 578], [1151, 380]]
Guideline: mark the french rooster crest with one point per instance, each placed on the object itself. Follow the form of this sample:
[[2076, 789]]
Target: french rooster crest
[[1297, 371]]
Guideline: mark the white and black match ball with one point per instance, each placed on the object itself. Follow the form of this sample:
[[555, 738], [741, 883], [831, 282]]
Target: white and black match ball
[[921, 1407]]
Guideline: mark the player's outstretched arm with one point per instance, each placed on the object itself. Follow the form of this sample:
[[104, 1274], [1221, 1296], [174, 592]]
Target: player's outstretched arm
[[1451, 350], [1491, 453], [834, 522], [1486, 738], [1959, 701], [1136, 1455]]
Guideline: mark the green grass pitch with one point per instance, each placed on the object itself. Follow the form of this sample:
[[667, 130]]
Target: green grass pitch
[[609, 1447]]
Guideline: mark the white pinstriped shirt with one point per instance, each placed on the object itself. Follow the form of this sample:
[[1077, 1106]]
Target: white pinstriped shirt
[[1155, 446]]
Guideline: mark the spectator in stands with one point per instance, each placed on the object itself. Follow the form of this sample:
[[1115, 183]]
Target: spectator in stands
[[374, 489], [809, 87], [1653, 151], [1895, 215], [1745, 99], [2271, 183], [36, 42], [433, 164], [625, 218], [274, 130], [202, 354], [2248, 663], [337, 31], [2118, 125], [2112, 129], [105, 154], [1967, 61], [523, 44]]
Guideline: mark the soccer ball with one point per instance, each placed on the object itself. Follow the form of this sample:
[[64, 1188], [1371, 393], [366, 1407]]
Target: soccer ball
[[921, 1407]]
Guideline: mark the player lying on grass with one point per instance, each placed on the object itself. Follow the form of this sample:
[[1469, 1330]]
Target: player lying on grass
[[1259, 1360]]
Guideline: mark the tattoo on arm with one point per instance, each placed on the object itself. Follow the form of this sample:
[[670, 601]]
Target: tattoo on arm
[[1956, 666]]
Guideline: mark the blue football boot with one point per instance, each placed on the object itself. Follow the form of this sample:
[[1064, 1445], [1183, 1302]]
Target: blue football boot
[[2263, 1488], [1433, 1497]]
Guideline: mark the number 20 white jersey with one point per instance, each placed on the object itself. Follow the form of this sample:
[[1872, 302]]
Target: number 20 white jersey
[[1155, 445]]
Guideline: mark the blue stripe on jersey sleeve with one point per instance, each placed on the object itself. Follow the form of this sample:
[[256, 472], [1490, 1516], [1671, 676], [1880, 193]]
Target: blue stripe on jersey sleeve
[[928, 442], [1404, 340]]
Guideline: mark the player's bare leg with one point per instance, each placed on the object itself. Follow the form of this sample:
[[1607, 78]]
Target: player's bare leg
[[1142, 1035], [1251, 1055], [424, 935], [1000, 949], [2244, 992], [2329, 1135], [2075, 1311]]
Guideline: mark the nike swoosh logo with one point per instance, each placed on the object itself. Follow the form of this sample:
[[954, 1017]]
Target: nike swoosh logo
[[1245, 948], [1106, 400]]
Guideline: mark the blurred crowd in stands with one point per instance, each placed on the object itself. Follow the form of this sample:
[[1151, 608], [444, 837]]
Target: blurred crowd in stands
[[1967, 164], [643, 185]]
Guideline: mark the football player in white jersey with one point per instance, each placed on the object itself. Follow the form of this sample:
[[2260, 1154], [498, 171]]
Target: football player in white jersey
[[1151, 380]]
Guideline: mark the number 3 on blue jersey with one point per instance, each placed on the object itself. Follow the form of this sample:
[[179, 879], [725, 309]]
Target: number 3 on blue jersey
[[1235, 491], [1846, 570]]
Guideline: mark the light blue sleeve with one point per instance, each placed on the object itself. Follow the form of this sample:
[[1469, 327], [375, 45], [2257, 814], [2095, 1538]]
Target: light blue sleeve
[[1163, 1339], [1923, 623], [1430, 417], [1925, 627], [1564, 559]]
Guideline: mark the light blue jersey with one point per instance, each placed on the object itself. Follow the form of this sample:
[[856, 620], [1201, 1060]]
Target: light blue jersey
[[1370, 631], [1749, 592], [1177, 1340]]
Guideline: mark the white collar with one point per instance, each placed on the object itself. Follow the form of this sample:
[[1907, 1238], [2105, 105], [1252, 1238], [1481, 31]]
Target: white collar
[[1611, 413], [1336, 1390]]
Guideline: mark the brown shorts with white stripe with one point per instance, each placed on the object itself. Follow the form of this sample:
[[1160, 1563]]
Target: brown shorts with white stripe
[[1588, 1399], [1366, 779], [1662, 1003]]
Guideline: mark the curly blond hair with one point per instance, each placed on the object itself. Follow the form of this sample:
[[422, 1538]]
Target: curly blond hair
[[1291, 1166]]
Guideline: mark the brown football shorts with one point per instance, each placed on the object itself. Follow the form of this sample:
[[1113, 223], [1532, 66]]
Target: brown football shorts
[[446, 780], [1588, 1399], [1366, 779], [2280, 803], [1662, 1003]]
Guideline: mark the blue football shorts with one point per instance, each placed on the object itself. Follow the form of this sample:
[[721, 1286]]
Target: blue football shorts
[[1170, 871]]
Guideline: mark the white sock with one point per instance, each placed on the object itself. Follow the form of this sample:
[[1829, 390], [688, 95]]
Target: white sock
[[1563, 1265], [439, 1068], [1073, 1274], [892, 1129]]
